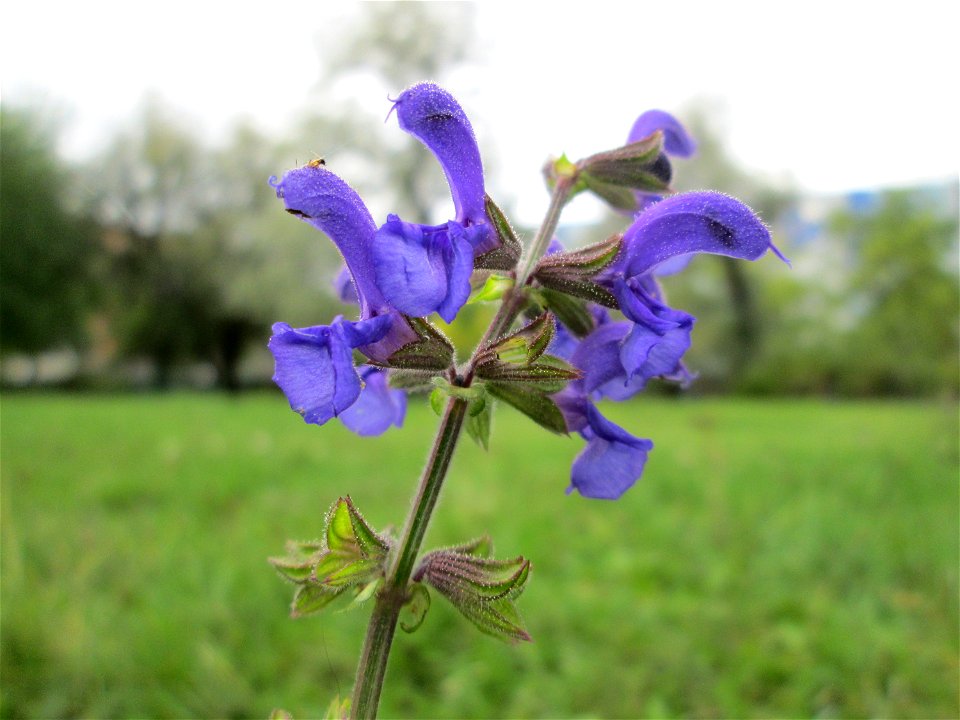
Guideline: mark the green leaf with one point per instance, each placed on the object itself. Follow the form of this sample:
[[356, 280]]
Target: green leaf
[[531, 402], [479, 415], [506, 255], [280, 714], [415, 609], [570, 311], [523, 346], [493, 289], [311, 599]]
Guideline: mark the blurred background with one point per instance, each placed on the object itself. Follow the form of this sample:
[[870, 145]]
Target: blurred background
[[793, 548]]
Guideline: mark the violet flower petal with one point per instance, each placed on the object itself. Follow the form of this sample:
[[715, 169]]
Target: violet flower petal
[[709, 222], [659, 337], [676, 139], [378, 407], [344, 287], [435, 118], [314, 366], [325, 201], [612, 461], [423, 269], [598, 358]]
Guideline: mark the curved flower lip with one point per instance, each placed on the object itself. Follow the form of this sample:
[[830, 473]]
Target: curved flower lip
[[612, 461], [433, 116], [676, 139], [314, 366], [377, 408], [322, 199], [423, 269], [695, 222]]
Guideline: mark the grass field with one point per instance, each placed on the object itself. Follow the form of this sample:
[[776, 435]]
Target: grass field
[[779, 559]]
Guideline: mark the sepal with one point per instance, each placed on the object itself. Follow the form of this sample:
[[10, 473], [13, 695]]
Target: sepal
[[506, 255], [549, 374], [523, 346], [481, 588], [614, 175], [532, 401], [430, 351], [571, 312], [351, 555], [572, 272]]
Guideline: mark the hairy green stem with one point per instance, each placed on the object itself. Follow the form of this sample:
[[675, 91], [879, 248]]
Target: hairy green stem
[[383, 621], [390, 599]]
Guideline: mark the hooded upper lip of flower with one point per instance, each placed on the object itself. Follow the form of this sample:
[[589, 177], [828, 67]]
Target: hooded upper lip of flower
[[676, 140], [422, 269], [435, 118], [322, 199]]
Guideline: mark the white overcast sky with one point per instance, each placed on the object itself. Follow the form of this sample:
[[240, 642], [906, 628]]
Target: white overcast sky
[[831, 96]]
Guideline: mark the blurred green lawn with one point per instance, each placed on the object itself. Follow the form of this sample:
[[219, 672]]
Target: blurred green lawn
[[779, 559]]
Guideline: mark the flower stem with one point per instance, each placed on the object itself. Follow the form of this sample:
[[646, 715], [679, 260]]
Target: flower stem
[[383, 621], [561, 191]]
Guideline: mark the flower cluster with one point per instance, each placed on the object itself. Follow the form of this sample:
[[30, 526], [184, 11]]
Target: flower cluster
[[602, 317]]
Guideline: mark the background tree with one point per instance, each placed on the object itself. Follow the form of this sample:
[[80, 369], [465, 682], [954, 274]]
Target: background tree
[[45, 250], [904, 296]]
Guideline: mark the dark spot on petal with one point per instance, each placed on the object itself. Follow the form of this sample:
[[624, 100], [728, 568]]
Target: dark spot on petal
[[297, 213], [722, 233]]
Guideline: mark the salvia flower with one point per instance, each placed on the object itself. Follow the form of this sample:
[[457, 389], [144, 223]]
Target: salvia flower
[[619, 358], [420, 268], [314, 366], [676, 139], [613, 459]]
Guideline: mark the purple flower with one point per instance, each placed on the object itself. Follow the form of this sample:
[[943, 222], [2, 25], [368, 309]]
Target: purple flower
[[696, 222], [314, 366], [378, 407], [613, 459], [676, 139], [618, 358], [423, 269]]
